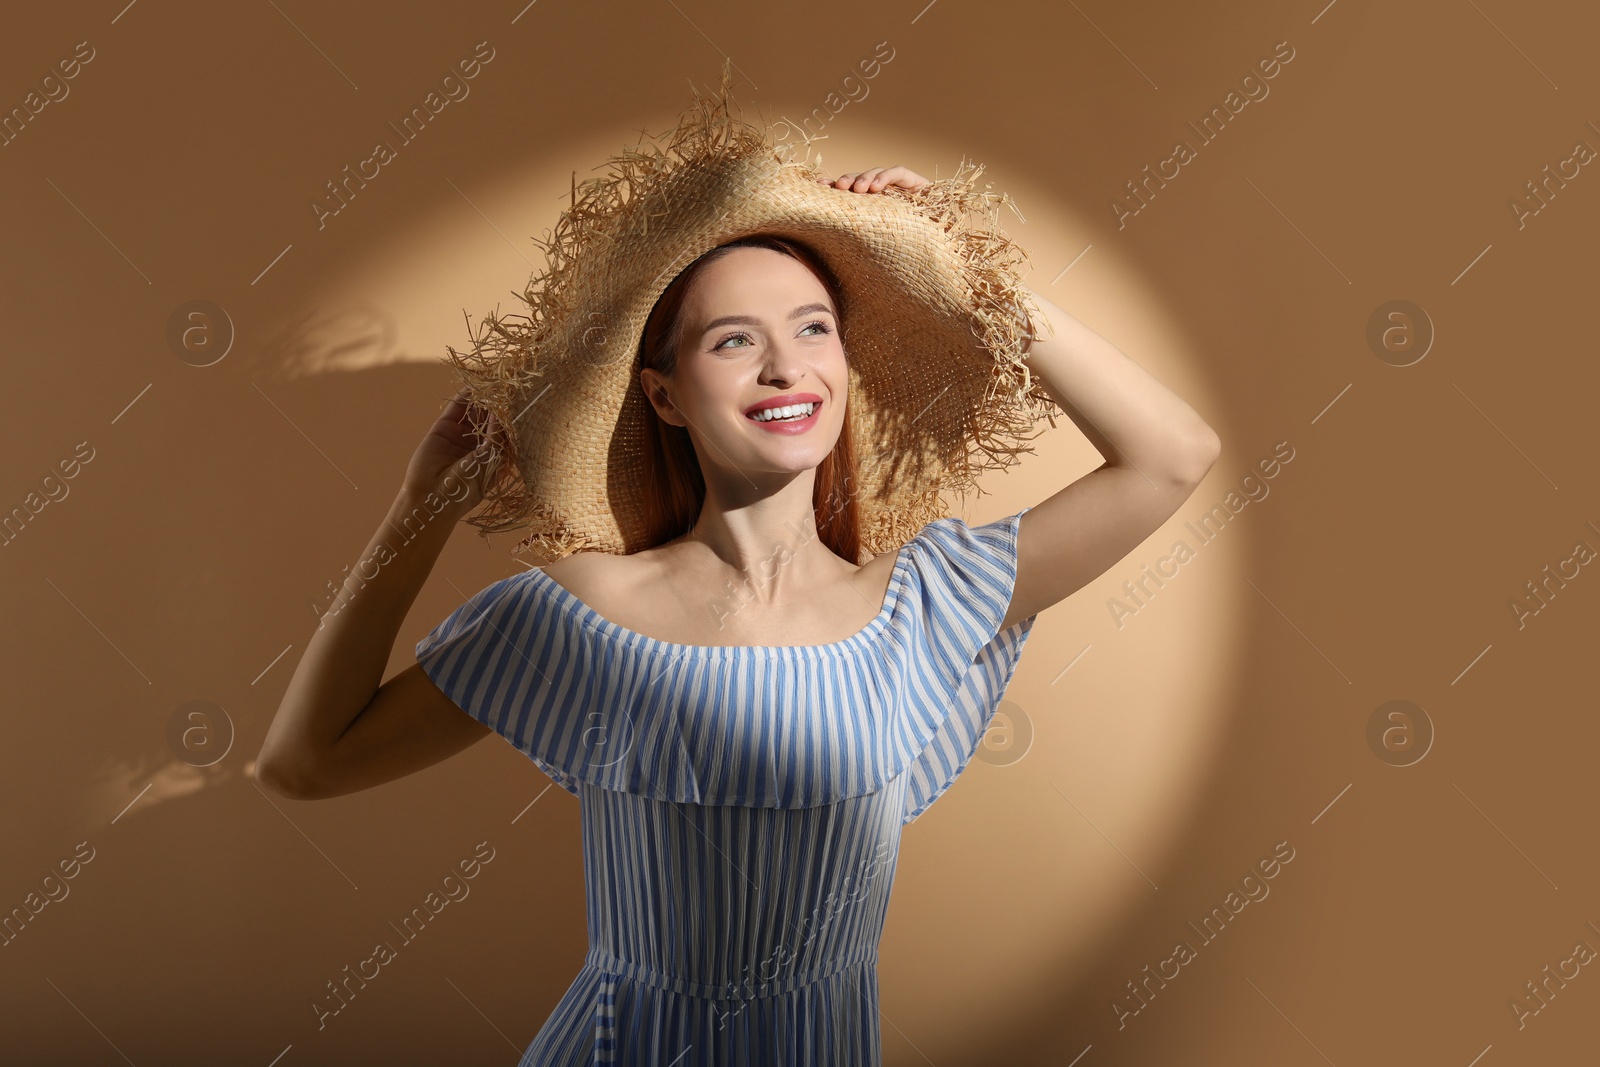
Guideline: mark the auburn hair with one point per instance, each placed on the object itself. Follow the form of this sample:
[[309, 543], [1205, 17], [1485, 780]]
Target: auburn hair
[[674, 488]]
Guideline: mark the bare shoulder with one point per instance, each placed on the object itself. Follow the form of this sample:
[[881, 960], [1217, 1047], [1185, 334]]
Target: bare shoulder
[[877, 571], [595, 575]]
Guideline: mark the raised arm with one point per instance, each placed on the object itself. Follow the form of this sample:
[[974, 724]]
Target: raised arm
[[1157, 449], [336, 729]]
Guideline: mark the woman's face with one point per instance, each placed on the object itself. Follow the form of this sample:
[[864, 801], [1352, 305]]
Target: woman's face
[[758, 327]]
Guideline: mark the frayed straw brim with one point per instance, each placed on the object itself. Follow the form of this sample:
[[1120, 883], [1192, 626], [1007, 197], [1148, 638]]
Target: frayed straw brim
[[939, 384]]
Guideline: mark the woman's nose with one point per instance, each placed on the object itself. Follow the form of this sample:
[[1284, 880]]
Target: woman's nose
[[782, 366]]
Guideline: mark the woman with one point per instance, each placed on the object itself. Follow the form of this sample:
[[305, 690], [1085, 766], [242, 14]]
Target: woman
[[748, 717]]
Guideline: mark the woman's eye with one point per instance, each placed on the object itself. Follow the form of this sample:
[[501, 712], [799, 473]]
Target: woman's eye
[[736, 336]]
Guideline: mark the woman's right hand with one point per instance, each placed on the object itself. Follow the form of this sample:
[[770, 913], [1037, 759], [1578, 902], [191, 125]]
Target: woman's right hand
[[452, 461]]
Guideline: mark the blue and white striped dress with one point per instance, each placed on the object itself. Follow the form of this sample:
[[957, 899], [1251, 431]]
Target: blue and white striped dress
[[741, 805]]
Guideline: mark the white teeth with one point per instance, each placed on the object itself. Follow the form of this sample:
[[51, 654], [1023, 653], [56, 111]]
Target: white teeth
[[791, 411]]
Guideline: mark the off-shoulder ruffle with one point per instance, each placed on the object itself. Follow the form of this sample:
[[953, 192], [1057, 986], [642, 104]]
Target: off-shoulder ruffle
[[592, 702]]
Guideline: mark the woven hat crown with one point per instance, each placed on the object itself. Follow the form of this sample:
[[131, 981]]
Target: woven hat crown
[[934, 324]]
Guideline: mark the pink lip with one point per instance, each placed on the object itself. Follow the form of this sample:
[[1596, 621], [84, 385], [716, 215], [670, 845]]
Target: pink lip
[[798, 425]]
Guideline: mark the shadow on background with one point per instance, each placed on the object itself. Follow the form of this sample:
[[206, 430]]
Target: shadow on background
[[1178, 743]]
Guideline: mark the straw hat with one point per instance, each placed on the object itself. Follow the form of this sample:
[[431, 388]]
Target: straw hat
[[939, 388]]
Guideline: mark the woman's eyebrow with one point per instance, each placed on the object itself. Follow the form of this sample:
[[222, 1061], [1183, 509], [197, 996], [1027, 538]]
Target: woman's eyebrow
[[747, 320]]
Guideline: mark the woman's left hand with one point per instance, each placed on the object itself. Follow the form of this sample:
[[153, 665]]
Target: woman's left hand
[[877, 179]]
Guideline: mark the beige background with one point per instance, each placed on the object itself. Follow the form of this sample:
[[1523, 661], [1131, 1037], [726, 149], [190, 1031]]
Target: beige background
[[1170, 752]]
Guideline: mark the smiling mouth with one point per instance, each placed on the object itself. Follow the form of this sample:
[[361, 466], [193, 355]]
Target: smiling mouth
[[785, 413]]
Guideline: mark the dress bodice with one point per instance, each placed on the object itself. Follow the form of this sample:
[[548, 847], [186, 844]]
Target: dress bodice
[[741, 805]]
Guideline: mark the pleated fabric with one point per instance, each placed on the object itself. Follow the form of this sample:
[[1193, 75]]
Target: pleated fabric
[[741, 804]]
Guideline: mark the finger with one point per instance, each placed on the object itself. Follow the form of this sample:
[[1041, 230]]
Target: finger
[[475, 468], [886, 176], [863, 182], [903, 176], [906, 178], [490, 433]]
